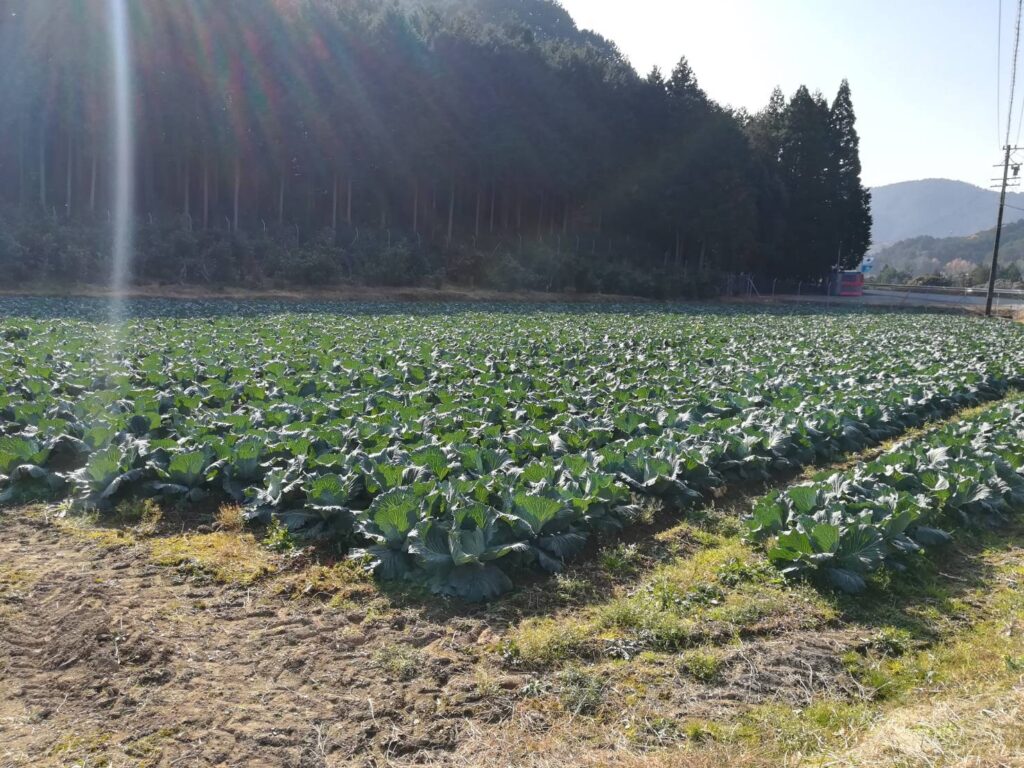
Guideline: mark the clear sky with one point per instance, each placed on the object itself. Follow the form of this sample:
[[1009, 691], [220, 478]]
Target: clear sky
[[923, 72]]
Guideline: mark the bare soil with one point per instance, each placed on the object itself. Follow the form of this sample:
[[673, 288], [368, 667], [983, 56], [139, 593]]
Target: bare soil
[[108, 659]]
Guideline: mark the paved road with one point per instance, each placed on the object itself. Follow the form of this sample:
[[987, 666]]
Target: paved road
[[936, 299]]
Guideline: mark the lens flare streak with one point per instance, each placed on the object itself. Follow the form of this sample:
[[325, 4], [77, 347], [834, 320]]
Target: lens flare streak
[[123, 154]]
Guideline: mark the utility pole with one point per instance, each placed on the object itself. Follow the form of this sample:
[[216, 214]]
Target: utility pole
[[999, 234]]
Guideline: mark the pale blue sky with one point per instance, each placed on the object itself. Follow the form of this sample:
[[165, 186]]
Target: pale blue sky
[[923, 72]]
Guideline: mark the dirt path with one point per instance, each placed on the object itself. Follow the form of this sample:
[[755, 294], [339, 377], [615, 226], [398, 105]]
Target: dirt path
[[107, 659]]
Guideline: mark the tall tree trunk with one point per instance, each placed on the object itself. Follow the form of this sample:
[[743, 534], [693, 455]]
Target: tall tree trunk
[[280, 202], [187, 203], [42, 172], [519, 212], [148, 176], [348, 203], [334, 205], [92, 183], [69, 175], [479, 204], [565, 219], [451, 215], [494, 194], [238, 189], [21, 161], [416, 208], [206, 193]]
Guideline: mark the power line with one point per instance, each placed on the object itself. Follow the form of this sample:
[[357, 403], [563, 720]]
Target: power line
[[1007, 148], [1013, 72], [1020, 122]]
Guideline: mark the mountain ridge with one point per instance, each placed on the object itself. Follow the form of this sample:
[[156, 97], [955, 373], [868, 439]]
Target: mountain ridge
[[938, 208], [927, 255]]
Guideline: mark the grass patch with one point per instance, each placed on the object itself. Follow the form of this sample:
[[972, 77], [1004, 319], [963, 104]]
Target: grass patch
[[725, 588], [86, 528], [929, 699], [581, 692], [722, 590], [14, 581], [546, 641], [398, 661], [226, 557], [148, 750], [704, 666], [341, 582], [622, 561], [83, 748], [144, 515], [572, 589], [783, 730]]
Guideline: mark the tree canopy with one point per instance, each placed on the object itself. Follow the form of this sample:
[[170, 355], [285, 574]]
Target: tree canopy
[[469, 131]]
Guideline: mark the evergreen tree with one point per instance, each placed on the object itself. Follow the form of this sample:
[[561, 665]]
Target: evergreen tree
[[683, 87], [852, 201], [806, 158]]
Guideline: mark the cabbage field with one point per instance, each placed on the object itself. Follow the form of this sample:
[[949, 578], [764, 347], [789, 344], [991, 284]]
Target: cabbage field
[[845, 526], [460, 446]]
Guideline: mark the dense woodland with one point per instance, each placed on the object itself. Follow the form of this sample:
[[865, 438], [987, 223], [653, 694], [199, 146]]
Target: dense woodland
[[476, 142]]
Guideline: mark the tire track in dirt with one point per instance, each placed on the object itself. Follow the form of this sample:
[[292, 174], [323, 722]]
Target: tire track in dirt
[[110, 655]]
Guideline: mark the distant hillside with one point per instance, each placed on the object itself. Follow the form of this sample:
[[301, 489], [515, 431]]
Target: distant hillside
[[937, 208], [927, 255]]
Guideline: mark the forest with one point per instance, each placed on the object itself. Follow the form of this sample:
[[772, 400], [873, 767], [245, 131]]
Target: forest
[[955, 261], [481, 143]]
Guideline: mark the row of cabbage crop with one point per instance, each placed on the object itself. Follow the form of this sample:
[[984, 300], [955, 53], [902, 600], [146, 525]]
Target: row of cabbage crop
[[842, 528], [456, 448]]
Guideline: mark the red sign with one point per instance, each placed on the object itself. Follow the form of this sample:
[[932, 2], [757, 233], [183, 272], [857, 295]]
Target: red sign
[[851, 284]]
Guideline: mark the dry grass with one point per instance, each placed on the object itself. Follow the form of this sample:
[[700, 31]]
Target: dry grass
[[230, 517], [982, 731], [722, 589], [229, 558], [85, 529], [15, 584], [342, 583]]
